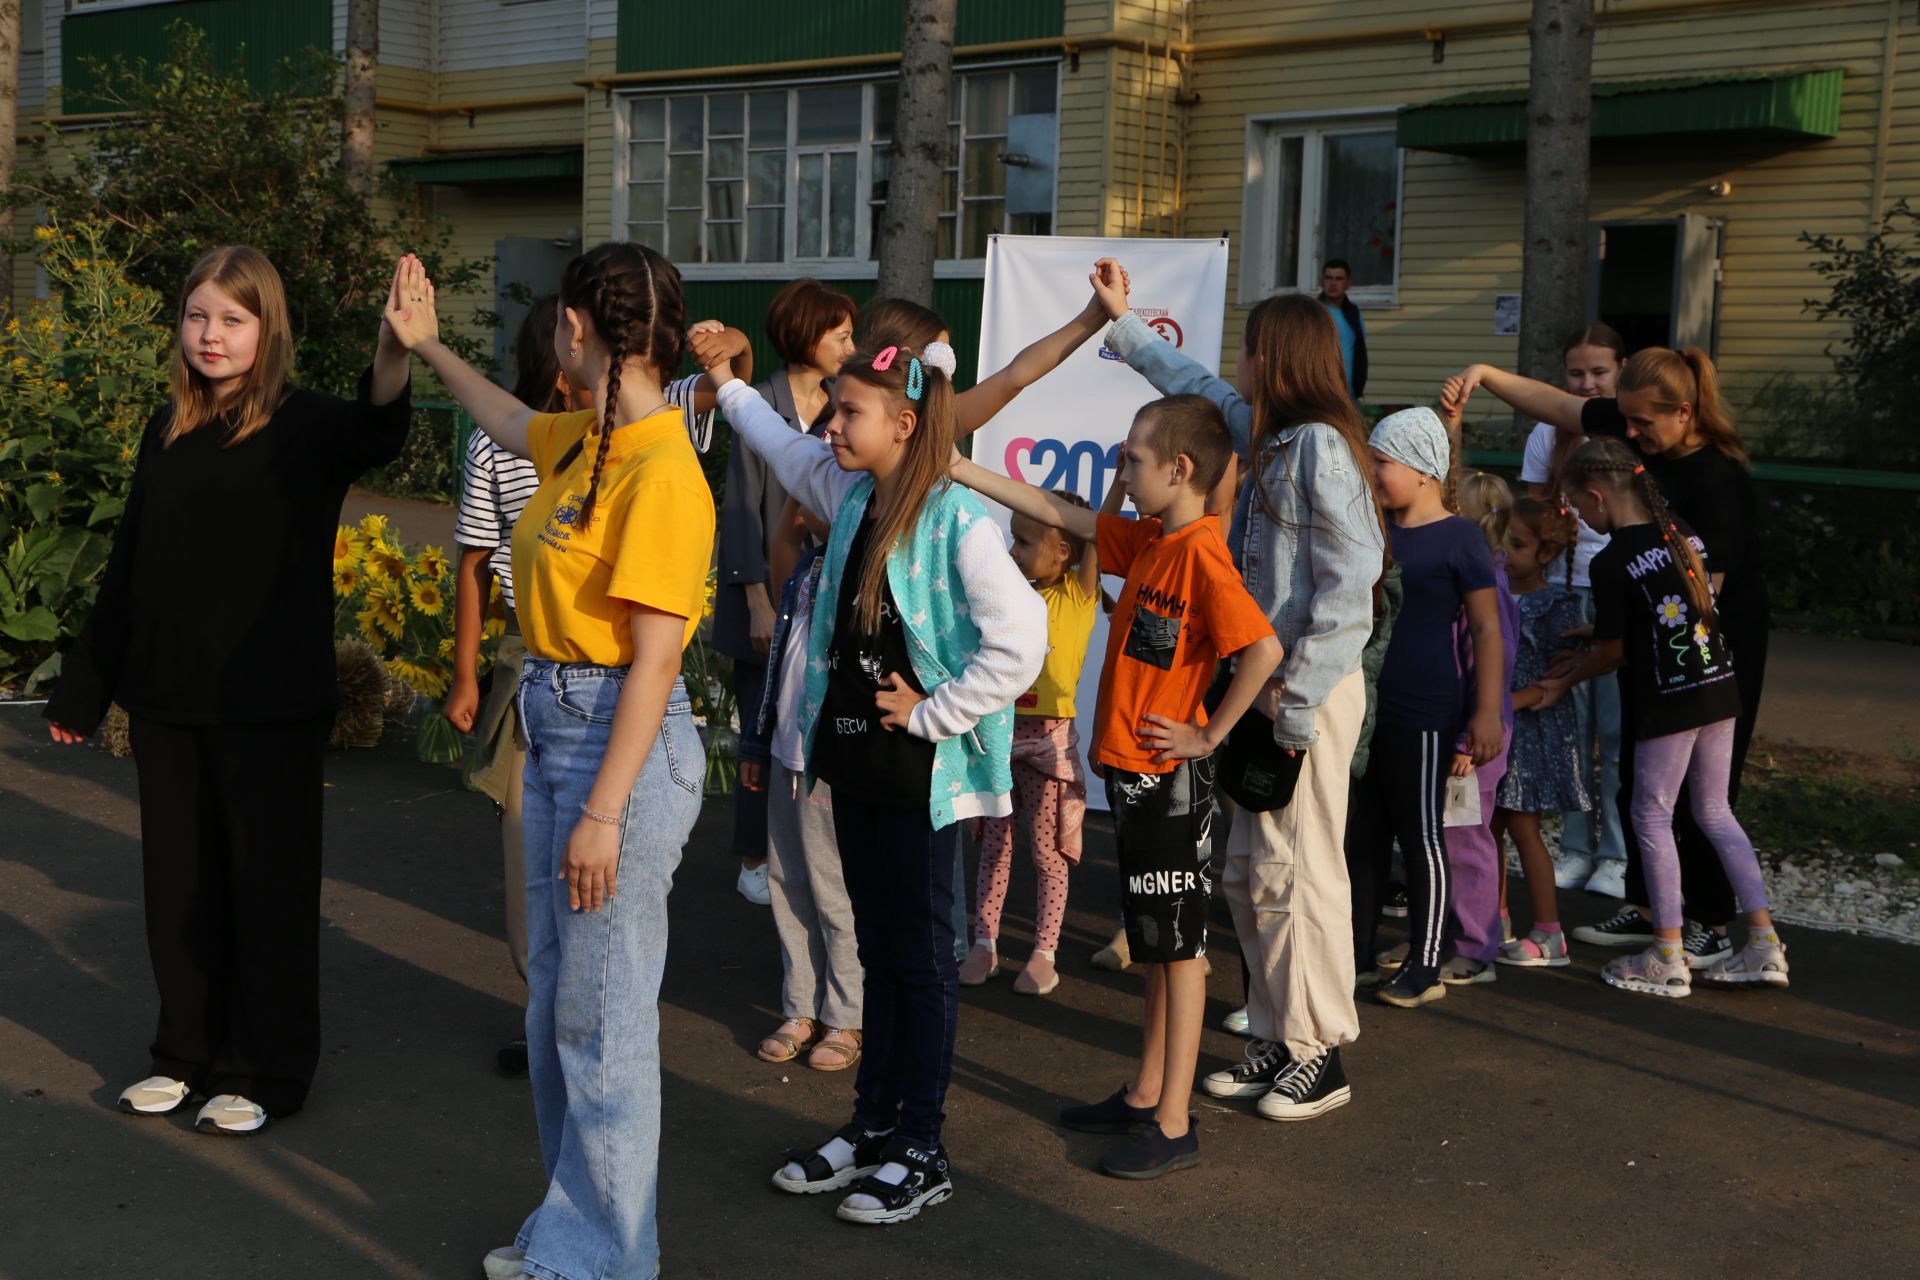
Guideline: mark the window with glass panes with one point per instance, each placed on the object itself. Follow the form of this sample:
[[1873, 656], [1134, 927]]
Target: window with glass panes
[[780, 174], [1318, 191]]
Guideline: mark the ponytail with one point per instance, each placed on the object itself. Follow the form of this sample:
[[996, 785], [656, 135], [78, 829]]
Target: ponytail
[[1610, 465], [1486, 501], [1687, 377]]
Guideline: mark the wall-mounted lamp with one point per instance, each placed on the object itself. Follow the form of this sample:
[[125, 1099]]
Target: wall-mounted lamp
[[1720, 188]]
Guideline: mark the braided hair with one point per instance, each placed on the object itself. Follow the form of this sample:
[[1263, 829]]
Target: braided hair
[[632, 296], [1612, 467]]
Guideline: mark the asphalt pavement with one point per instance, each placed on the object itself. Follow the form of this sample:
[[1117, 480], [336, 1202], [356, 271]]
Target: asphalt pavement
[[1543, 1125]]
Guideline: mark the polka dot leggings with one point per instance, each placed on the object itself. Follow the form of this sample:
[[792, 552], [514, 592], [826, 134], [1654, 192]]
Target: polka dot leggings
[[1036, 806]]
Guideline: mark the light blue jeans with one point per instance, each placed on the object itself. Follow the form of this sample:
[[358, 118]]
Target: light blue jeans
[[593, 979], [1595, 833]]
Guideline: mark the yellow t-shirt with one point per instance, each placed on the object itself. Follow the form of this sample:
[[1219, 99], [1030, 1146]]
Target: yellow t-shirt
[[1070, 616], [650, 542]]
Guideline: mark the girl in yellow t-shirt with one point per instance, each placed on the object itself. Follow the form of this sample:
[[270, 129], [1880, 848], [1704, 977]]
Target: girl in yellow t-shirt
[[1049, 782], [610, 568]]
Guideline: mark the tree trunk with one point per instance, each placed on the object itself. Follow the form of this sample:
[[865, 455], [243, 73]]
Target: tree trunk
[[9, 127], [363, 59], [910, 224], [1553, 264]]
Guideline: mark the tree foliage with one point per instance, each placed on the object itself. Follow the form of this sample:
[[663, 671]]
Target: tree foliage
[[1874, 286]]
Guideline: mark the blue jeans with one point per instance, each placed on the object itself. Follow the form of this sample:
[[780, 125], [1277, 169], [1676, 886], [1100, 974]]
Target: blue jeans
[[593, 979], [1596, 833], [900, 879]]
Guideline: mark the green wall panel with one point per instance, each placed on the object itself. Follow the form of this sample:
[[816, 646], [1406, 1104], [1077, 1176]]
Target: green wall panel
[[656, 38], [251, 35], [743, 305]]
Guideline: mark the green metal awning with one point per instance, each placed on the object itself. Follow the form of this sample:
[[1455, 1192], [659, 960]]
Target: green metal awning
[[1789, 105], [478, 168]]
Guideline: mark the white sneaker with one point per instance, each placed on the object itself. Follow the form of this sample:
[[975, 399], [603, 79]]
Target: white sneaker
[[1609, 878], [1572, 871], [154, 1096], [752, 885], [232, 1114], [1236, 1022], [505, 1263]]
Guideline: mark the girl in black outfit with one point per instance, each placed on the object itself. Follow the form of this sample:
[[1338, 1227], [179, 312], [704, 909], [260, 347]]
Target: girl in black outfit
[[1669, 407], [229, 685]]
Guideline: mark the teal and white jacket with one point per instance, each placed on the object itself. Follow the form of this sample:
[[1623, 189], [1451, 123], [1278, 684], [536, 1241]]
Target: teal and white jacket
[[976, 630]]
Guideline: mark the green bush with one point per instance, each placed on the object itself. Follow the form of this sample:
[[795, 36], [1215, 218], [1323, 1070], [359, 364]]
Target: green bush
[[81, 374]]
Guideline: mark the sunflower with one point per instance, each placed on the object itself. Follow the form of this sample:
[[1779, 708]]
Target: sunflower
[[713, 582], [385, 561], [387, 608], [373, 528], [446, 649], [347, 545], [1672, 611], [427, 598], [369, 628], [424, 678], [431, 563], [493, 628], [346, 578]]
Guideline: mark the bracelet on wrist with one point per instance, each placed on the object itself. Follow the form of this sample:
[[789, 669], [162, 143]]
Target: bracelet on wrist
[[604, 820]]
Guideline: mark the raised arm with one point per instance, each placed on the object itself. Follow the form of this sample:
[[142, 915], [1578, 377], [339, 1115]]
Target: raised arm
[[1535, 399], [976, 405], [1171, 371], [413, 320], [804, 465], [1025, 499]]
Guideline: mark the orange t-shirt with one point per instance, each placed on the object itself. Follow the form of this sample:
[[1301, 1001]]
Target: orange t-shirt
[[1182, 610]]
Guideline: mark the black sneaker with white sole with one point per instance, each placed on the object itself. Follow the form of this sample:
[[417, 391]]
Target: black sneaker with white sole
[[1252, 1076], [883, 1204], [1624, 928], [817, 1173], [1307, 1089], [1704, 947], [1396, 903]]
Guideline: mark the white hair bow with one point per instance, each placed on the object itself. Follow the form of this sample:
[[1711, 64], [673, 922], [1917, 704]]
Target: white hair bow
[[941, 357]]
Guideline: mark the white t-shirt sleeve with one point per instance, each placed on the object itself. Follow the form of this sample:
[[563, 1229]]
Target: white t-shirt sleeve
[[1537, 463]]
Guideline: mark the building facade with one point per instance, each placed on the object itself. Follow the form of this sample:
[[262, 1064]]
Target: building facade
[[751, 144]]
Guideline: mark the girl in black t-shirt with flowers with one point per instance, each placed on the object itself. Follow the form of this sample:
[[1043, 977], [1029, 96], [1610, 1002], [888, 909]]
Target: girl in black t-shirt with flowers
[[1654, 617]]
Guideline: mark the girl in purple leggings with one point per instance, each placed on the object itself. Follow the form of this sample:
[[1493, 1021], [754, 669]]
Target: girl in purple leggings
[[1654, 619]]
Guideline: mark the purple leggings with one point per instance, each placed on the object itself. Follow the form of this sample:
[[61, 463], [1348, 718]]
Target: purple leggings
[[1702, 758]]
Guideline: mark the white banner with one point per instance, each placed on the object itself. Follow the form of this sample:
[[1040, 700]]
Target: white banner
[[1064, 432]]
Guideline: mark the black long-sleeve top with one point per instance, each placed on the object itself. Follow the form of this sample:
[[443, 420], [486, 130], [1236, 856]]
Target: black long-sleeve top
[[217, 602]]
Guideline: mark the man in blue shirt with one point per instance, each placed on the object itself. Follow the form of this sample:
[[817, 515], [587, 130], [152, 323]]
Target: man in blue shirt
[[1335, 276]]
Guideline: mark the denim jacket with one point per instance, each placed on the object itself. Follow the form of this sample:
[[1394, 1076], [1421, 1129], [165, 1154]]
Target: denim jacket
[[758, 723], [1310, 552]]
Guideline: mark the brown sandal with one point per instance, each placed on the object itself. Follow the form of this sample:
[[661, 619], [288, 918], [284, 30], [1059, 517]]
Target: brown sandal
[[792, 1047], [835, 1055]]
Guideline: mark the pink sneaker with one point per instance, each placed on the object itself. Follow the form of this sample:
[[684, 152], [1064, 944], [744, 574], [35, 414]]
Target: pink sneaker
[[981, 963]]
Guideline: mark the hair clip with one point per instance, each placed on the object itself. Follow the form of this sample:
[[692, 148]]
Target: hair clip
[[1637, 468], [916, 378], [884, 361]]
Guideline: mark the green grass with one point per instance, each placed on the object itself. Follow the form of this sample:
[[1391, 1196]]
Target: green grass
[[1797, 798]]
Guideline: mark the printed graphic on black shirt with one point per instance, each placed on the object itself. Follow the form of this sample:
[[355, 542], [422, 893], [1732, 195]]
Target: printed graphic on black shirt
[[1679, 670], [1154, 636]]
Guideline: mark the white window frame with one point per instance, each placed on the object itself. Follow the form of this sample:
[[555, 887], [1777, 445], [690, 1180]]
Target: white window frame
[[859, 267], [1259, 212]]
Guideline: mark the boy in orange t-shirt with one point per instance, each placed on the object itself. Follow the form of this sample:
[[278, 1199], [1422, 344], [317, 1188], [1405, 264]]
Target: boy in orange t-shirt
[[1183, 609]]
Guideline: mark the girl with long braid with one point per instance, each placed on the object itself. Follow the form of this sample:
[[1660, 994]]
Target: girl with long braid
[[1654, 618], [610, 561]]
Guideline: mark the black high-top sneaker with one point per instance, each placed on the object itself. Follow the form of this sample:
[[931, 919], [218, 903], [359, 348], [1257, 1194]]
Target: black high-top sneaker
[[1307, 1089]]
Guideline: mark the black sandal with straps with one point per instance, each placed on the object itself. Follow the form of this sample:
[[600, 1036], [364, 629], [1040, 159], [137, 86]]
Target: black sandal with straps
[[926, 1185], [818, 1175]]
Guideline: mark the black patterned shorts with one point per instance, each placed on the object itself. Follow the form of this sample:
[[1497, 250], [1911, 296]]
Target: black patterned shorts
[[1163, 826]]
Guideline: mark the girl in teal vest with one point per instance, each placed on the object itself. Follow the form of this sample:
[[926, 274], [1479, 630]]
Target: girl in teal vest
[[923, 634]]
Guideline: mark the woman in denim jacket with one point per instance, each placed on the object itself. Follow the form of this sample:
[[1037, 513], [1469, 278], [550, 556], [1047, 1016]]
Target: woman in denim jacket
[[1308, 539]]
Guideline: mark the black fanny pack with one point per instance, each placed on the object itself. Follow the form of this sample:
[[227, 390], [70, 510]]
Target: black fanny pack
[[1256, 772]]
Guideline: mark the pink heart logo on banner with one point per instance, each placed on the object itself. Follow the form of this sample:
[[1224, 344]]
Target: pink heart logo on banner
[[1024, 444]]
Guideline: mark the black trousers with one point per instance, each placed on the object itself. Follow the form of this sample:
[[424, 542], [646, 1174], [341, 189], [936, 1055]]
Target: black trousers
[[230, 842], [1703, 881], [900, 878], [749, 806], [1401, 797]]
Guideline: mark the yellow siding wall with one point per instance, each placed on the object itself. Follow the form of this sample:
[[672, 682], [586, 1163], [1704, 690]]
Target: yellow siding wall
[[1462, 217], [597, 188]]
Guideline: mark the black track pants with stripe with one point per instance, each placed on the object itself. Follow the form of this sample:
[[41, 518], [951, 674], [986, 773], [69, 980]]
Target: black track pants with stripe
[[1403, 798]]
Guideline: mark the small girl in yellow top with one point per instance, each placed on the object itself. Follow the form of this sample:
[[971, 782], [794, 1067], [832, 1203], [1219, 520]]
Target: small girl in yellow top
[[610, 567], [1049, 781]]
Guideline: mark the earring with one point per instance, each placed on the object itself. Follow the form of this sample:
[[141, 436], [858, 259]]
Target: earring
[[573, 353]]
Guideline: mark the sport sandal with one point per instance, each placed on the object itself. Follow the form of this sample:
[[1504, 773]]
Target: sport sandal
[[786, 1047], [883, 1204], [817, 1173]]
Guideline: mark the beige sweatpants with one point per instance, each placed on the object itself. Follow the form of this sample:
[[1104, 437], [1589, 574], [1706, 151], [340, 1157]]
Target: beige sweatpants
[[1286, 884]]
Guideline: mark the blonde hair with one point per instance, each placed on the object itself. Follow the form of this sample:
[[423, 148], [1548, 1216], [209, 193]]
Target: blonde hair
[[924, 469], [245, 275], [1611, 466], [1487, 501], [1677, 377]]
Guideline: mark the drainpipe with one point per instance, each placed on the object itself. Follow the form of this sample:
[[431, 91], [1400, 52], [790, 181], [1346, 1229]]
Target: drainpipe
[[1889, 68]]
